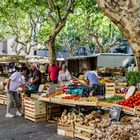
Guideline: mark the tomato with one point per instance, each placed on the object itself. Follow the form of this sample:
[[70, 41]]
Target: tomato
[[126, 101], [135, 95], [138, 96], [120, 103], [136, 102], [130, 102]]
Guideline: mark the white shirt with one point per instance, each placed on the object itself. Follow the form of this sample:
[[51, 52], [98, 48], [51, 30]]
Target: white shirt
[[64, 78], [16, 80]]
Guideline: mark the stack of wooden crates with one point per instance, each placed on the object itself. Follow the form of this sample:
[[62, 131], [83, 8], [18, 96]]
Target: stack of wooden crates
[[38, 111], [35, 110]]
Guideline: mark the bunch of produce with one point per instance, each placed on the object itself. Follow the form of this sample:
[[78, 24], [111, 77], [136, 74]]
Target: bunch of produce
[[93, 119], [67, 118], [72, 97], [113, 99], [119, 131], [102, 128], [122, 90], [89, 99], [131, 101]]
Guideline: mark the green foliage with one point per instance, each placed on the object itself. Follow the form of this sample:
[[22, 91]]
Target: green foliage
[[133, 78], [83, 26]]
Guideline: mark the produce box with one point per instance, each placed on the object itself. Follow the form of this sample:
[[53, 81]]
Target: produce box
[[23, 96], [56, 100], [129, 104], [65, 130], [118, 71], [3, 99], [109, 101], [35, 110], [87, 101], [120, 85], [109, 90], [104, 104], [84, 132], [137, 110], [53, 112], [126, 109]]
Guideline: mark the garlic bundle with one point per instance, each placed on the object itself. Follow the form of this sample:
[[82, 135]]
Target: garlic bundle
[[102, 129]]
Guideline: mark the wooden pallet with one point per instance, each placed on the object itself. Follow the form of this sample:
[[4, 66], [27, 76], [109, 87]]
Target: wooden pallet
[[35, 110], [65, 130]]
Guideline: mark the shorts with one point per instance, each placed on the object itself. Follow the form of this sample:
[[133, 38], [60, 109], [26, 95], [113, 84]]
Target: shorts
[[13, 96]]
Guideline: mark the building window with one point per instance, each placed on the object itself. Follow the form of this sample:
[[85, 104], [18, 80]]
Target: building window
[[35, 52]]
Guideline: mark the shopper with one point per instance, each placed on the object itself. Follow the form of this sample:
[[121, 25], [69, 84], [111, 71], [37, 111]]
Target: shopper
[[12, 85], [64, 77], [53, 70]]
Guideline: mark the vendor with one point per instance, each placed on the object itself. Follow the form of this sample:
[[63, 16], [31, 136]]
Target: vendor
[[53, 70], [64, 77], [91, 78], [35, 83]]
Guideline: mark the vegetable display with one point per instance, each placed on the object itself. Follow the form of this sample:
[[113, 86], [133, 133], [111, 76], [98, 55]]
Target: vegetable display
[[113, 99], [131, 101], [101, 127]]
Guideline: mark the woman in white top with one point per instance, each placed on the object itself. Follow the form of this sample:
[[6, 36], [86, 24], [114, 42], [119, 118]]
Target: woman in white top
[[64, 76]]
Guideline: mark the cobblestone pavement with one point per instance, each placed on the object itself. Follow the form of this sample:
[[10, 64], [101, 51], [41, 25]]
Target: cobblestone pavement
[[19, 128]]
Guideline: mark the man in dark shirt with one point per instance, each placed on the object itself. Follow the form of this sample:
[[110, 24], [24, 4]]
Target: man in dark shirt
[[34, 85]]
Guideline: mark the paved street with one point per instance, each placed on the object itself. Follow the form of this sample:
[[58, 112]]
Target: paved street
[[22, 129]]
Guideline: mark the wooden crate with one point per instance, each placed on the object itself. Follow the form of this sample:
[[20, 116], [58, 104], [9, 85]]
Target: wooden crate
[[3, 99], [56, 100], [23, 96], [137, 110], [118, 71], [104, 104], [84, 132], [65, 130], [120, 85], [53, 111], [120, 94], [109, 89], [86, 103], [127, 109], [35, 110]]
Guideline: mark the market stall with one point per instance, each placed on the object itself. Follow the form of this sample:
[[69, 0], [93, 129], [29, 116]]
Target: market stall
[[65, 104]]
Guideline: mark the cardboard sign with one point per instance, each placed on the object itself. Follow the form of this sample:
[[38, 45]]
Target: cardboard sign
[[115, 113]]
